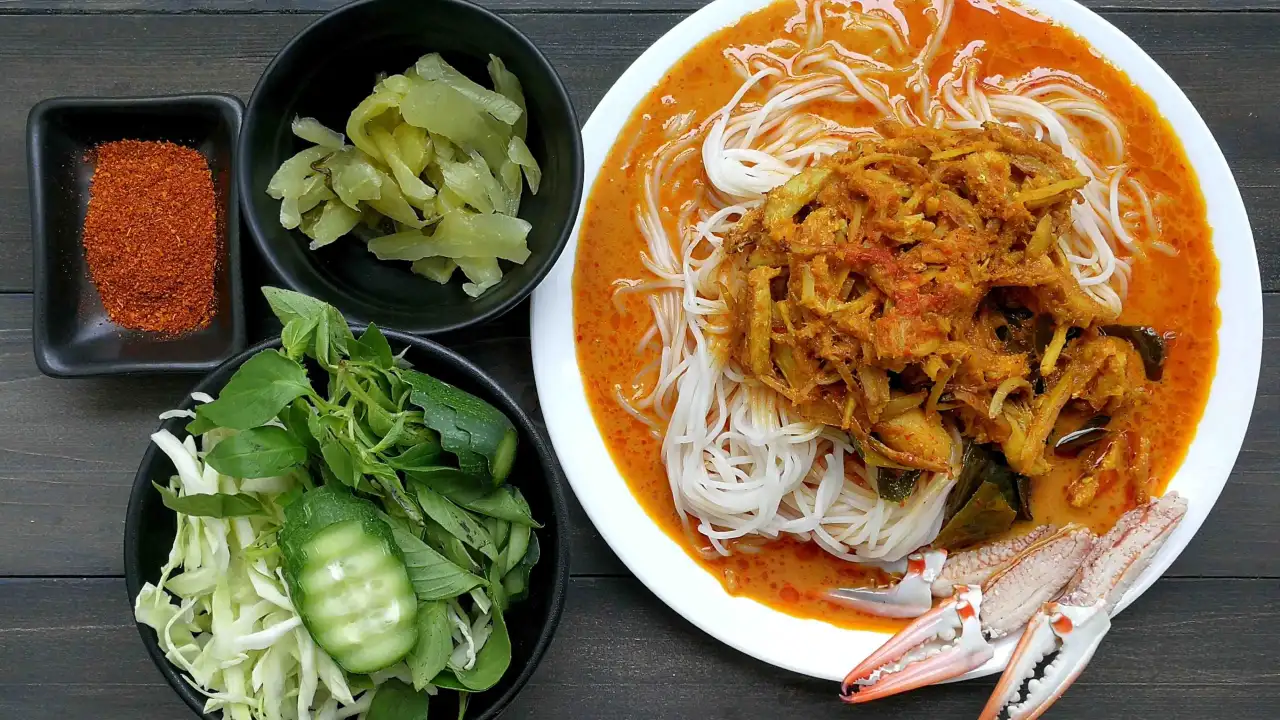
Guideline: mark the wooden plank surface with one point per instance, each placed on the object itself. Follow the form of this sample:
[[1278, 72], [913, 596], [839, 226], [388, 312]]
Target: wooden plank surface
[[620, 653], [69, 449], [532, 6], [1227, 63]]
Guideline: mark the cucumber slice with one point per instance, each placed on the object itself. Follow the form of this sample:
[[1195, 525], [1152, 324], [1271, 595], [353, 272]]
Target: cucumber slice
[[468, 426], [348, 580]]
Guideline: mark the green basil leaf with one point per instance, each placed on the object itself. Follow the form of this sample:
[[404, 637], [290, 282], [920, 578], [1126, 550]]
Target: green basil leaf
[[201, 424], [457, 521], [399, 523], [461, 488], [390, 437], [451, 547], [359, 352], [339, 331], [296, 417], [397, 390], [377, 344], [447, 680], [435, 642], [262, 452], [216, 506], [433, 576], [327, 477], [505, 503], [289, 305], [256, 393], [387, 479], [322, 349], [420, 457], [296, 336], [517, 546], [462, 703], [499, 530], [497, 593], [393, 700], [491, 662], [380, 421], [340, 460], [515, 585], [326, 326]]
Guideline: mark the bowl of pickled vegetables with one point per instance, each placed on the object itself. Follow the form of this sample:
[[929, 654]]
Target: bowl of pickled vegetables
[[345, 521], [414, 163]]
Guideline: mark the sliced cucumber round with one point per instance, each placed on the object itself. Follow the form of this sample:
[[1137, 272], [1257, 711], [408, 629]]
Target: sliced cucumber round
[[348, 580]]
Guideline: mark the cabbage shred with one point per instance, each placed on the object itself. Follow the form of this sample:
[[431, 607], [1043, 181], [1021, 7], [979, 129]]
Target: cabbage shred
[[221, 609]]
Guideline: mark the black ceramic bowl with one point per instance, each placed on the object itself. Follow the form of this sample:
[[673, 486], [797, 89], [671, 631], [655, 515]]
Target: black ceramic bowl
[[73, 336], [150, 526], [324, 73]]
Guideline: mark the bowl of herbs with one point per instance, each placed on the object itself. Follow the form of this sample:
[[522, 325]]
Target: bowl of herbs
[[346, 521]]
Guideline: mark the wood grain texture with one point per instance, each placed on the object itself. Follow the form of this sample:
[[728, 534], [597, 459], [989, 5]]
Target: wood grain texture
[[69, 449], [620, 653], [1226, 62], [1200, 644], [532, 6]]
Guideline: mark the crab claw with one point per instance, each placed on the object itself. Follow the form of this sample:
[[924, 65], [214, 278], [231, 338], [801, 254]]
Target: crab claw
[[1120, 556], [944, 643], [911, 597], [1074, 633], [976, 566], [1074, 626]]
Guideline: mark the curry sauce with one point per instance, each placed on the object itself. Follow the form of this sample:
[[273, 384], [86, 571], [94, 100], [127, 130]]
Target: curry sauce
[[1175, 294]]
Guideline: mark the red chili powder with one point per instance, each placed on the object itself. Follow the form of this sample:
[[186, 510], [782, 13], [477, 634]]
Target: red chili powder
[[151, 236]]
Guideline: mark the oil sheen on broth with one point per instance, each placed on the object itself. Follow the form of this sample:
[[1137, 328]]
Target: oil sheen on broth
[[1175, 294]]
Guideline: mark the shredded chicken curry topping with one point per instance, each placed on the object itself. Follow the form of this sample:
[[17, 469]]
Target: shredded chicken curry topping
[[915, 284]]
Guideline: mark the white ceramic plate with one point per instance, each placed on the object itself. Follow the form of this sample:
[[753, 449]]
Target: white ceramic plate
[[809, 646]]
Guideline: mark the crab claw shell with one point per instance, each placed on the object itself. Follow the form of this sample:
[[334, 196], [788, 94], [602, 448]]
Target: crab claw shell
[[976, 566], [894, 667], [1076, 624], [1119, 557], [1017, 591], [1079, 630], [910, 597]]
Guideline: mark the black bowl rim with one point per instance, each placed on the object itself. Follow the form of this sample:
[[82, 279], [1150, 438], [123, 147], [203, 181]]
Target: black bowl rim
[[423, 327], [555, 487], [234, 109]]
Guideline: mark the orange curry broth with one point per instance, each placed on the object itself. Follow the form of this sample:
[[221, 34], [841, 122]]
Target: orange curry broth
[[1170, 293]]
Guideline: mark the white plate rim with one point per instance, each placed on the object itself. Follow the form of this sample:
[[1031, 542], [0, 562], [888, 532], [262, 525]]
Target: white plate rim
[[811, 647]]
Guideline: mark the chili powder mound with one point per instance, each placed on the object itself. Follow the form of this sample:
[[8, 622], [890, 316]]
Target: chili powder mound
[[151, 236]]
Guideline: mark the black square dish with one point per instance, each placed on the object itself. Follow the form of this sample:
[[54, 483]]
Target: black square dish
[[73, 336]]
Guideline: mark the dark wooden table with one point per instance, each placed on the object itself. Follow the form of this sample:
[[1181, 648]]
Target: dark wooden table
[[1204, 642]]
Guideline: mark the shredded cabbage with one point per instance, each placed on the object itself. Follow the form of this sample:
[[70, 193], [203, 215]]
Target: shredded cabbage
[[221, 609]]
